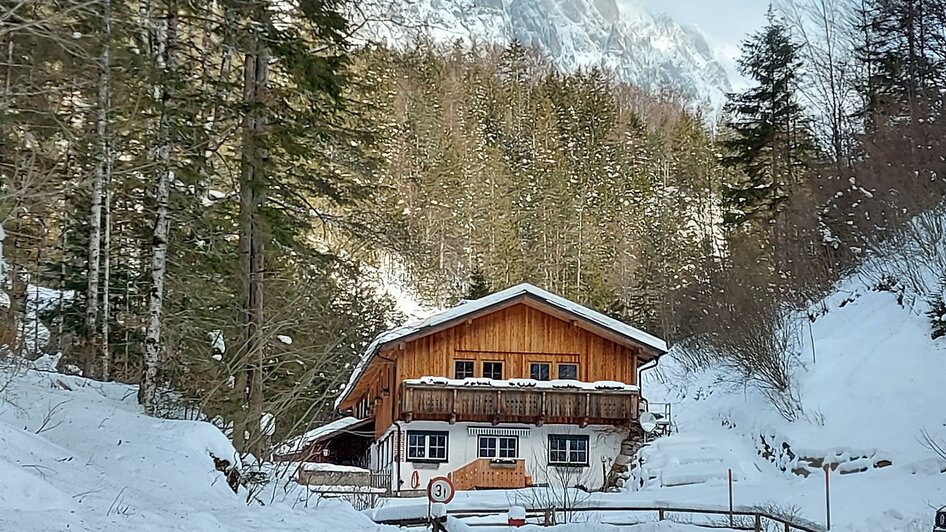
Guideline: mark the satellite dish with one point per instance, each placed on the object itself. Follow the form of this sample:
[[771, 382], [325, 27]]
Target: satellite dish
[[648, 422]]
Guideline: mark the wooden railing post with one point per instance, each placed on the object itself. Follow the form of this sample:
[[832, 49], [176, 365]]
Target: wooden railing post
[[758, 523], [660, 514], [453, 407]]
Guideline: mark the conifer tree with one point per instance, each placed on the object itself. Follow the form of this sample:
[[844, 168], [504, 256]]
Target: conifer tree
[[768, 142], [478, 285], [903, 50]]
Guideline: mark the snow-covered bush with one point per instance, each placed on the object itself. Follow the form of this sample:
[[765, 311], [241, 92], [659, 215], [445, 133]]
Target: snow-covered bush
[[937, 313]]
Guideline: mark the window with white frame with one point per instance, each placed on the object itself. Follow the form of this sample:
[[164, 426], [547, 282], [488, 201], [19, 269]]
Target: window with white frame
[[426, 446], [568, 450], [498, 447]]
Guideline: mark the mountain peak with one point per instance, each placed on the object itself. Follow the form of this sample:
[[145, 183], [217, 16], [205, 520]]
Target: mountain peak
[[648, 50]]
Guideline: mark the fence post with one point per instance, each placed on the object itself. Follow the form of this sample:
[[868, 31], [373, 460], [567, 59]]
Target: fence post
[[827, 493], [660, 514], [730, 498], [758, 523]]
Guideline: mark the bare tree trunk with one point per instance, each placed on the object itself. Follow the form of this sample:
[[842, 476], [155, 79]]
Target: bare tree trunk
[[252, 196], [166, 61], [102, 169], [105, 355]]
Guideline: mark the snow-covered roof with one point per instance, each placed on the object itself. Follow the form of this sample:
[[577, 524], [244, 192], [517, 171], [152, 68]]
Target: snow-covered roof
[[470, 307], [299, 443]]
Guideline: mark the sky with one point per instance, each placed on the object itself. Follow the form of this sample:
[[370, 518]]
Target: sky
[[725, 23]]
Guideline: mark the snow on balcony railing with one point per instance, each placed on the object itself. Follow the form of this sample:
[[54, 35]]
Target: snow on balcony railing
[[559, 384]]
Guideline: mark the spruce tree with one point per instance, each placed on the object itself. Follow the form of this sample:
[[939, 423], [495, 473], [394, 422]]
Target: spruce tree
[[478, 285], [769, 143]]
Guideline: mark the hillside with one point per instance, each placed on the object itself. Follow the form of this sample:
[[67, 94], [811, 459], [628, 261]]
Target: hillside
[[80, 455], [869, 389]]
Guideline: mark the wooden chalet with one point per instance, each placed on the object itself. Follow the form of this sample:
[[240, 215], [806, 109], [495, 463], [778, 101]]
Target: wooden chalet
[[505, 391]]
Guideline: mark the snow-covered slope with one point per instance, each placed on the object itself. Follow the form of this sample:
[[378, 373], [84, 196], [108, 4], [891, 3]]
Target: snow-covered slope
[[648, 50], [78, 455], [870, 381]]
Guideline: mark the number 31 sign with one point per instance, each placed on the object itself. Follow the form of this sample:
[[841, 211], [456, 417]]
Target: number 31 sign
[[440, 490]]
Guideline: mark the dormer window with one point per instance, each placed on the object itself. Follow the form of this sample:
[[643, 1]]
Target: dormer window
[[463, 369], [493, 370]]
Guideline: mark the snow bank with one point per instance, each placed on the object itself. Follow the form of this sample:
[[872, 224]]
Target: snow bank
[[870, 380], [79, 455]]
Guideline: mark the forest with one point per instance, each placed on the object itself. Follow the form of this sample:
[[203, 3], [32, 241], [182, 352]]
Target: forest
[[216, 192]]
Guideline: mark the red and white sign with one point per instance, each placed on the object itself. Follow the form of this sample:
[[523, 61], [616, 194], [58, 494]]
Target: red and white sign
[[440, 489]]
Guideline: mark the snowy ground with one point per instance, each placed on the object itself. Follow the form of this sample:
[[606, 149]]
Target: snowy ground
[[79, 455], [870, 381]]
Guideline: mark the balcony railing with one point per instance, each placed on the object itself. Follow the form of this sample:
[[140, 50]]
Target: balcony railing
[[501, 404]]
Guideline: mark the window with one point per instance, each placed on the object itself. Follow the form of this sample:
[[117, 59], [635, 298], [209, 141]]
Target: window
[[539, 372], [493, 370], [426, 446], [498, 447], [462, 369], [568, 450], [568, 371]]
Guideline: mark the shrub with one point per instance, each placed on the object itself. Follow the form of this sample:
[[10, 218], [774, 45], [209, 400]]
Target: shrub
[[937, 313]]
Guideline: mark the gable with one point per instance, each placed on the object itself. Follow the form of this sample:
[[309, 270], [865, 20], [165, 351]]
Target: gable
[[517, 336], [505, 317], [505, 333]]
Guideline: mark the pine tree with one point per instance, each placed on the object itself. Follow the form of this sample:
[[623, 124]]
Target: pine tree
[[769, 142], [478, 286]]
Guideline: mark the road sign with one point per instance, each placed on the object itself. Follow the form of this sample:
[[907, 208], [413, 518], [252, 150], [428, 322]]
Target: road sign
[[648, 422], [940, 520], [440, 489]]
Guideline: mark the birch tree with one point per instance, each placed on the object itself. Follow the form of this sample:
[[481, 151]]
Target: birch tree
[[100, 179], [165, 58]]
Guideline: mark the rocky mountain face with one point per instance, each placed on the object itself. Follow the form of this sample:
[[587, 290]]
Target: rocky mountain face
[[649, 50]]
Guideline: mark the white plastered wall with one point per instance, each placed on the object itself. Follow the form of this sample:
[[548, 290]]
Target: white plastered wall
[[462, 447]]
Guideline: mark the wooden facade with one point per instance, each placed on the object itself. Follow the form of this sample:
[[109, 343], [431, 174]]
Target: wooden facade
[[516, 334]]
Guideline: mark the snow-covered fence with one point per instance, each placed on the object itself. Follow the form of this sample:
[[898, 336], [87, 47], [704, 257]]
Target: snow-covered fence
[[739, 518]]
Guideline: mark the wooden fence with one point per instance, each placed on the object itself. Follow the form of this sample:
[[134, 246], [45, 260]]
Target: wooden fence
[[738, 519]]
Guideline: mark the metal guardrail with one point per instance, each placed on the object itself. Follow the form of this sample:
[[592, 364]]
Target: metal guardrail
[[757, 517]]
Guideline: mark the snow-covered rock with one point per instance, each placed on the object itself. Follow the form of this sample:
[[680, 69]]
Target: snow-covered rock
[[646, 49]]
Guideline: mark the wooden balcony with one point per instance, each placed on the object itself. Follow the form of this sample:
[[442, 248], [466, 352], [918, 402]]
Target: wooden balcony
[[452, 403]]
